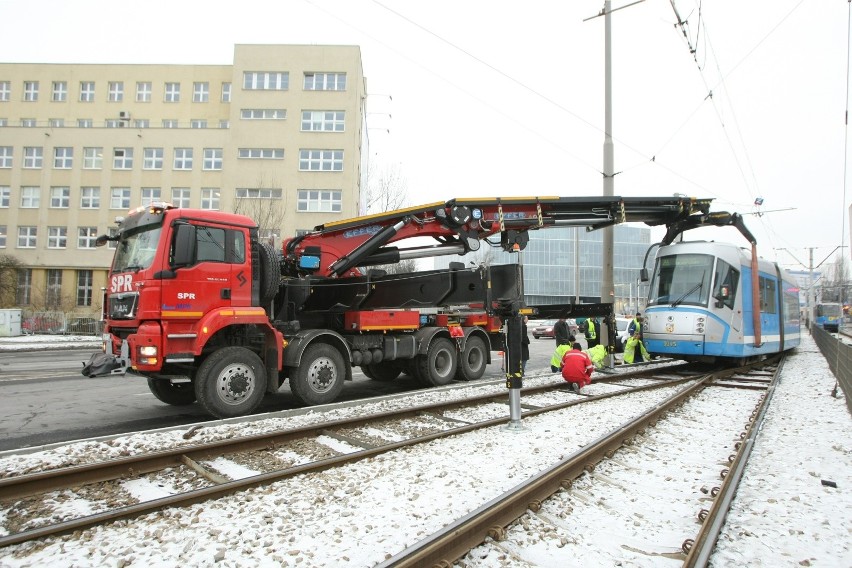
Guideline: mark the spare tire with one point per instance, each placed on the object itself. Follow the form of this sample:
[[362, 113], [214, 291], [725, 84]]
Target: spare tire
[[270, 272]]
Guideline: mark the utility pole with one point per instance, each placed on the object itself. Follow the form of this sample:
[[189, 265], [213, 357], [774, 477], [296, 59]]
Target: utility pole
[[811, 296], [607, 286]]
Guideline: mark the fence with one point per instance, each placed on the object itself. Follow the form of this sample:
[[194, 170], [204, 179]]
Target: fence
[[839, 357], [60, 323]]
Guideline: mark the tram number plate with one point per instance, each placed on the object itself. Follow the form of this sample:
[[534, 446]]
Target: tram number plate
[[669, 343]]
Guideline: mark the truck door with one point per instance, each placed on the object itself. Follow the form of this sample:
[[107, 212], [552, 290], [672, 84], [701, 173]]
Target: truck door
[[220, 275]]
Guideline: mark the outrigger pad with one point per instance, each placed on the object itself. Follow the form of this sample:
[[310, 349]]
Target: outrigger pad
[[100, 364]]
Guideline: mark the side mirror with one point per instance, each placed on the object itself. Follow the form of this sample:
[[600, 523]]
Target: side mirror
[[643, 275], [184, 245], [101, 240]]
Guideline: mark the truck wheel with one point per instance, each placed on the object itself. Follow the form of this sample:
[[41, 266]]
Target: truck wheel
[[384, 372], [230, 382], [270, 273], [319, 377], [176, 394], [438, 366], [473, 361]]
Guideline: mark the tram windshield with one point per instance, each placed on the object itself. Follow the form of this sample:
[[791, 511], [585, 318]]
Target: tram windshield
[[682, 279]]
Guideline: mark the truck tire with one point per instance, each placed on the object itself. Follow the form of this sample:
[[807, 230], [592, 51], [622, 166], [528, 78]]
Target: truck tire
[[473, 361], [176, 394], [319, 377], [384, 372], [270, 273], [230, 382], [438, 366]]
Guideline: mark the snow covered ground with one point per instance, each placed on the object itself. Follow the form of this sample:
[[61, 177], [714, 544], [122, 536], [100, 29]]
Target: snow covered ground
[[784, 513]]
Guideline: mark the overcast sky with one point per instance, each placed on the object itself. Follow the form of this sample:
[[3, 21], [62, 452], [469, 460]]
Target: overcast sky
[[496, 98]]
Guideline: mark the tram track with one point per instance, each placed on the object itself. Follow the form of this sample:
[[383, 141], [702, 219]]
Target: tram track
[[22, 491], [505, 528]]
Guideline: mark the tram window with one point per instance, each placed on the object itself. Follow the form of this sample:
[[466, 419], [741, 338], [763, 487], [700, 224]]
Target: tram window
[[725, 284], [768, 296]]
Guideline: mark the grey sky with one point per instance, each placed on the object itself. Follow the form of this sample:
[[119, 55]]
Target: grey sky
[[506, 98]]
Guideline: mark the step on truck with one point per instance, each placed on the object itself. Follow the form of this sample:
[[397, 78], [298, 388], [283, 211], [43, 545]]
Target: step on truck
[[208, 312]]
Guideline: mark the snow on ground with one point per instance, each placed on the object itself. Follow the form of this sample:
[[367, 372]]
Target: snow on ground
[[784, 515]]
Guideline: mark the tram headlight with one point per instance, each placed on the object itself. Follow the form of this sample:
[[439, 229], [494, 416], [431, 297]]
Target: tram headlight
[[699, 325]]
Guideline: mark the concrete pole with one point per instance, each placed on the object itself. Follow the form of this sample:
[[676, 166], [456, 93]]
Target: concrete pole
[[607, 287]]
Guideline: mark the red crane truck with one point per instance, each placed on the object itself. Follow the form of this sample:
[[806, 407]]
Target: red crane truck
[[208, 312]]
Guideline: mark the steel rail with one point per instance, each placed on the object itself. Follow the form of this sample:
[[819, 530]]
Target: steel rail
[[455, 540], [699, 550], [216, 491], [16, 487]]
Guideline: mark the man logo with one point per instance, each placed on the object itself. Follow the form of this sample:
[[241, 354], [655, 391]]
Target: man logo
[[241, 278]]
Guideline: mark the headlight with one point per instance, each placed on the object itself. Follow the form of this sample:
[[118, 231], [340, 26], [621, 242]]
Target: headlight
[[148, 351]]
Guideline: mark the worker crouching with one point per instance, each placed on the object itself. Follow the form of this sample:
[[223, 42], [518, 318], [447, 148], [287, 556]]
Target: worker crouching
[[577, 368]]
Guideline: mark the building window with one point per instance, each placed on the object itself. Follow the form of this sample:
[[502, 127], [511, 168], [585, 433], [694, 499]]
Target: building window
[[257, 193], [59, 92], [25, 284], [56, 122], [87, 91], [84, 123], [53, 291], [321, 160], [170, 123], [212, 159], [93, 158], [30, 196], [322, 120], [153, 159], [261, 153], [210, 198], [224, 123], [263, 114], [143, 92], [30, 91], [3, 236], [180, 196], [226, 92], [28, 122], [141, 123], [90, 198], [200, 92], [150, 195], [6, 154], [60, 197], [86, 237], [319, 201], [5, 196], [266, 81], [5, 91], [325, 81], [115, 93], [198, 123], [27, 237], [172, 93], [113, 232], [4, 122], [33, 157], [122, 158], [119, 198], [84, 287], [183, 159], [63, 157], [57, 237]]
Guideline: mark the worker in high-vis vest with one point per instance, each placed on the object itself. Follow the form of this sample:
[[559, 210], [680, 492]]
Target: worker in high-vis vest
[[591, 333]]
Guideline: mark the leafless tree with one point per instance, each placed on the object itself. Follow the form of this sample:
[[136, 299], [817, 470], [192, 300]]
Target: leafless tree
[[386, 189], [836, 280], [267, 213], [9, 266]]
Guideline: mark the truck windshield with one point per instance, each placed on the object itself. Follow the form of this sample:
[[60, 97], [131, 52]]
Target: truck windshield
[[682, 279], [136, 250]]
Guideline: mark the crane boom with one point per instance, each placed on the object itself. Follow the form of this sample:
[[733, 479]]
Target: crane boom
[[339, 248]]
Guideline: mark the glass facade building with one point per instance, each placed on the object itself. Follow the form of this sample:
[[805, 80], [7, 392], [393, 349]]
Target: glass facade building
[[551, 263]]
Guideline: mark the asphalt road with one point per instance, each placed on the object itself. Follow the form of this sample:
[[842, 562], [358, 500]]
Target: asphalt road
[[44, 399]]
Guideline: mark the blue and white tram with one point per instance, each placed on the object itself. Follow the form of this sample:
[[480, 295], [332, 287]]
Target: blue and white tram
[[705, 304]]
